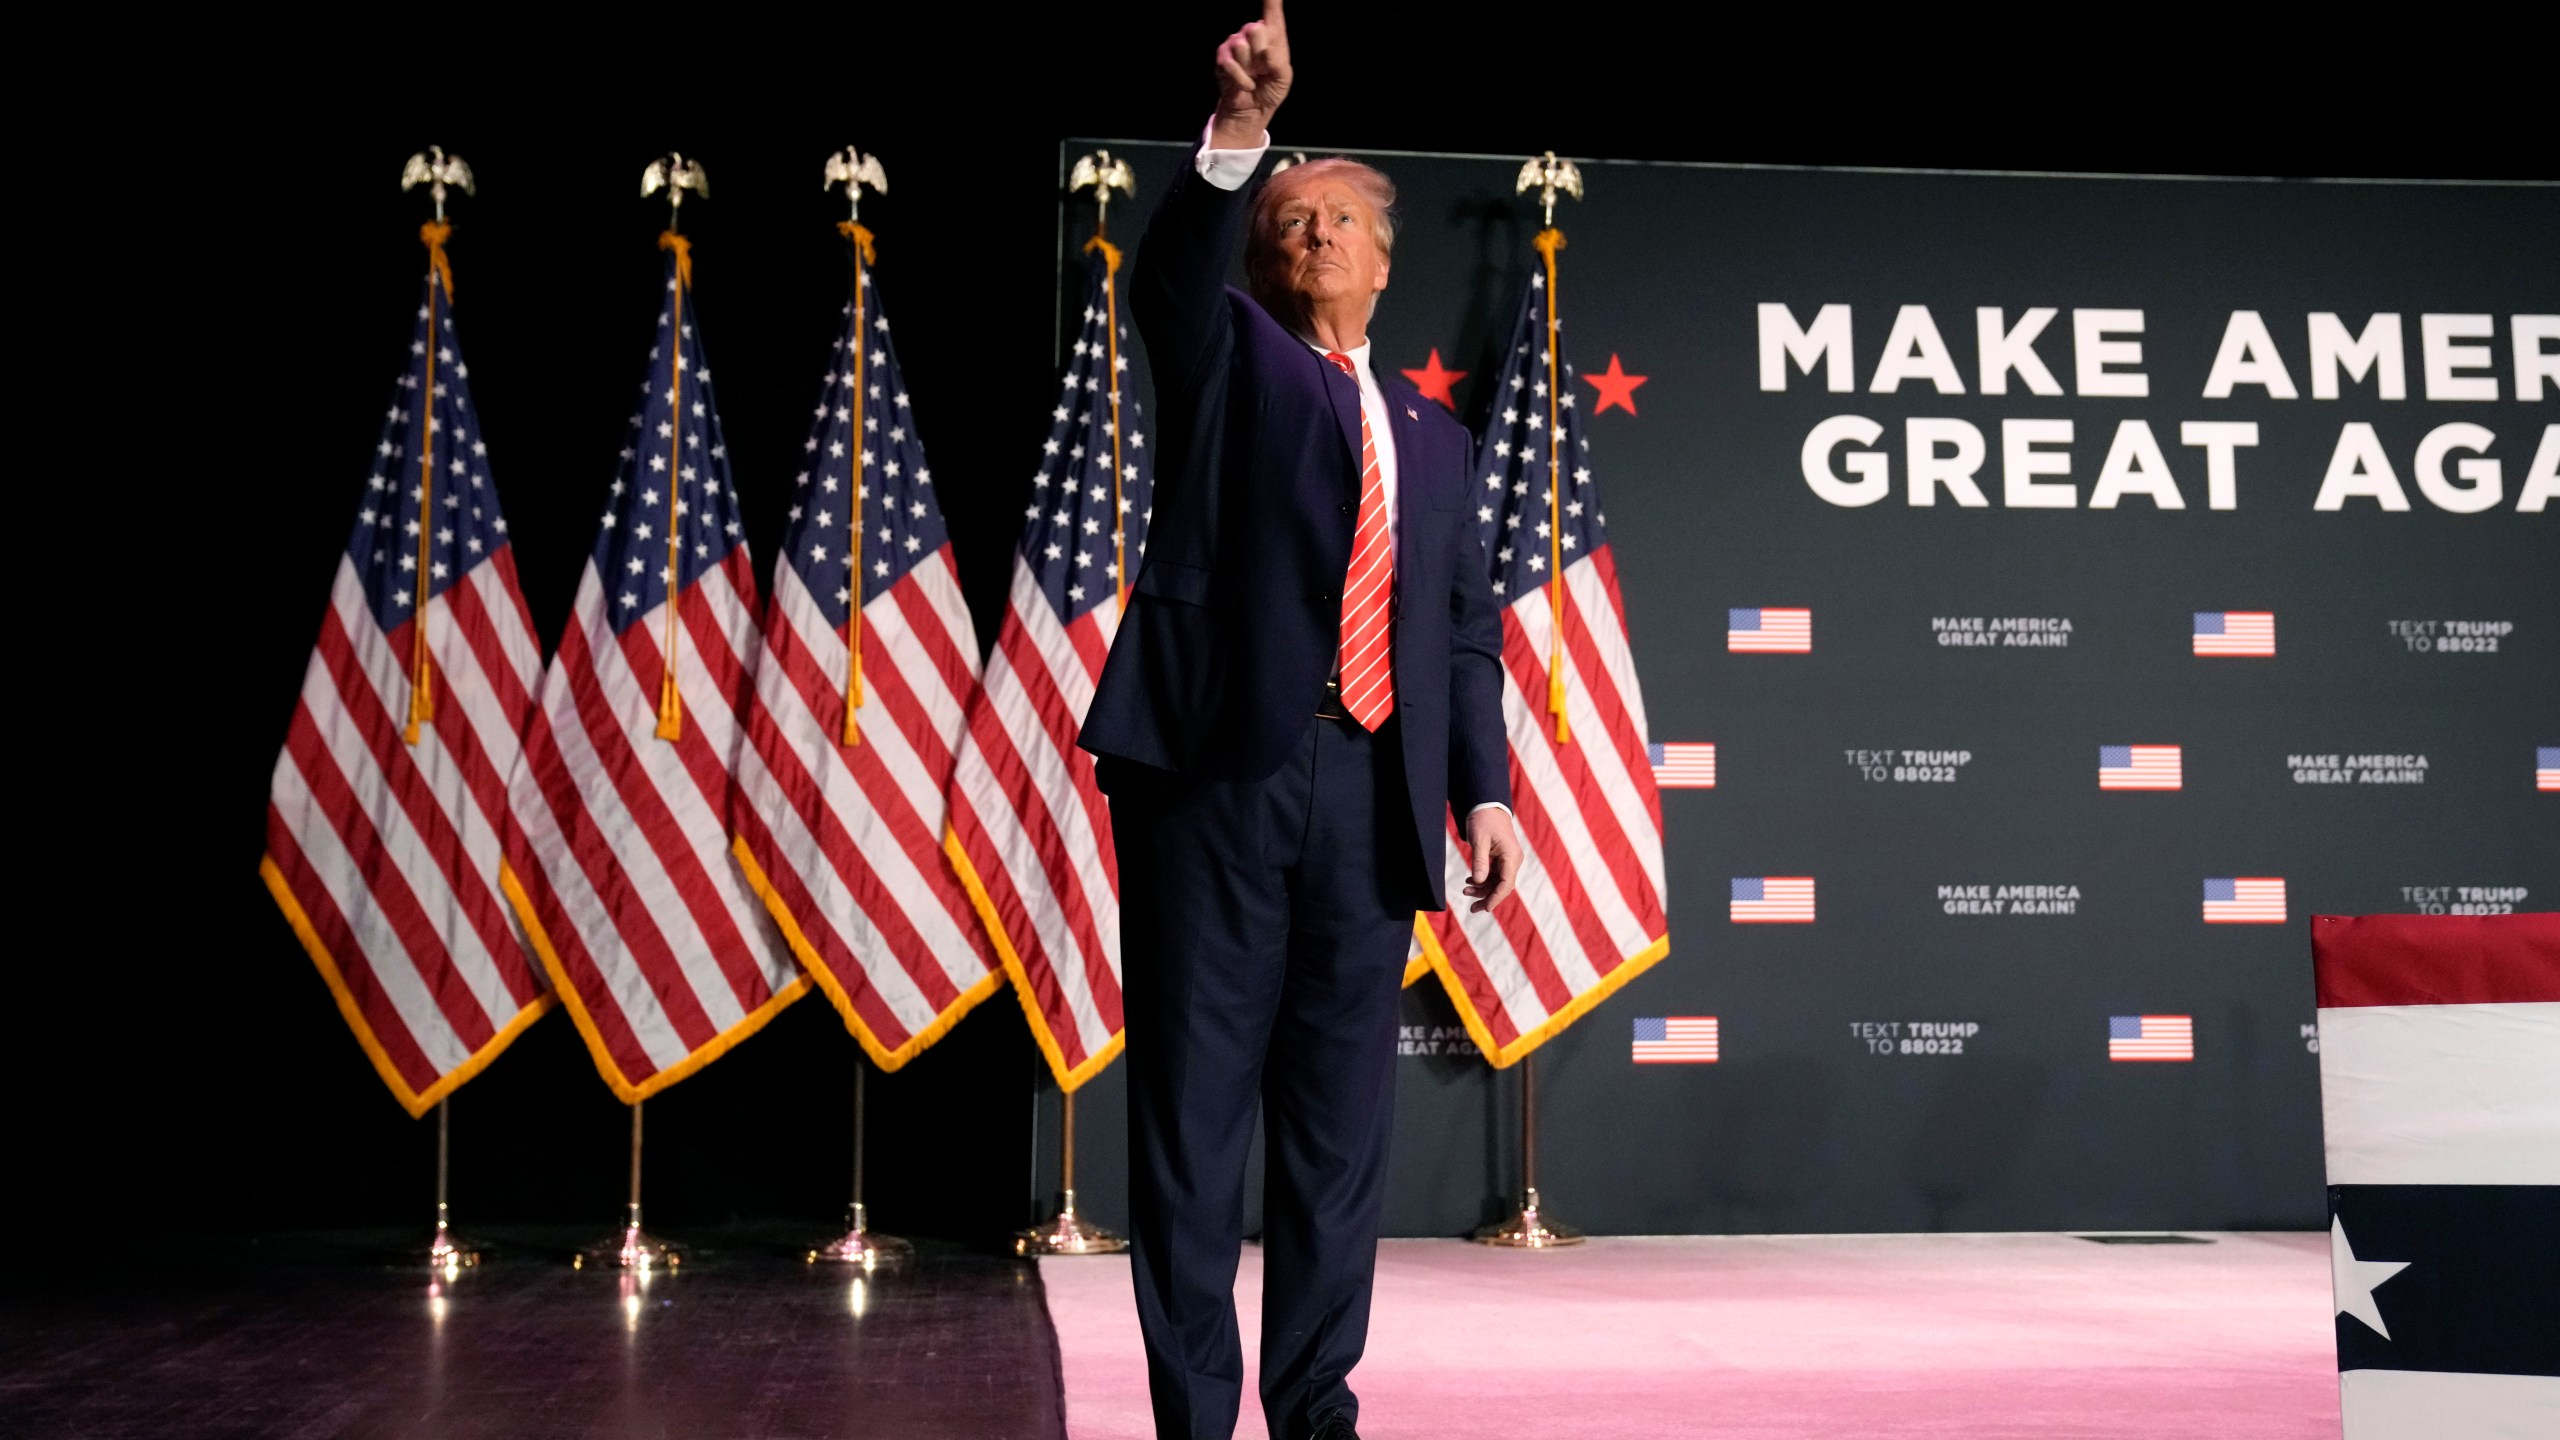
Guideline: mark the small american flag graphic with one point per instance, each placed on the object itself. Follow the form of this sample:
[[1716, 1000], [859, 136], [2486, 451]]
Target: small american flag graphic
[[2244, 901], [1683, 764], [2139, 767], [2235, 632], [2546, 768], [1769, 632], [1675, 1040], [1772, 900], [2151, 1037]]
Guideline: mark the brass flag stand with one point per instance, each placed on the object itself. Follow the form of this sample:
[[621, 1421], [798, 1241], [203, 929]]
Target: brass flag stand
[[447, 1254], [1069, 1233], [858, 1245], [1528, 1227], [633, 1248]]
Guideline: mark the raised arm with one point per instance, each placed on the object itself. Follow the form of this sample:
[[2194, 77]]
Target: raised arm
[[1177, 291]]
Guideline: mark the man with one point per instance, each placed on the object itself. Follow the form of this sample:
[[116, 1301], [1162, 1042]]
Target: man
[[1306, 684]]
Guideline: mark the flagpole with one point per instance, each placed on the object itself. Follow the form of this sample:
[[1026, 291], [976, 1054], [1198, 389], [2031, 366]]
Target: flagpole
[[858, 1245], [1528, 1227], [446, 1253], [1069, 1233], [633, 1248]]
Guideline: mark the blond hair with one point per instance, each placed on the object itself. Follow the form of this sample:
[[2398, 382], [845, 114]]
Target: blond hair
[[1262, 237]]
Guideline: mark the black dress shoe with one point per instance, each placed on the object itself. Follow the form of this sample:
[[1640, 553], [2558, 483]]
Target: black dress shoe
[[1334, 1427]]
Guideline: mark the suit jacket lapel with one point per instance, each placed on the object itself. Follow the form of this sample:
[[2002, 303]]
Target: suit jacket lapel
[[1413, 467], [1403, 419]]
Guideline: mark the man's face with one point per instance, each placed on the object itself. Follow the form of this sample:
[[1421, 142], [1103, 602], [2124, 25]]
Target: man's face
[[1325, 246]]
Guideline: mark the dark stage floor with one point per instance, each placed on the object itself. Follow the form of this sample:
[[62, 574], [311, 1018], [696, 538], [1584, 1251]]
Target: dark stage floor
[[311, 1337]]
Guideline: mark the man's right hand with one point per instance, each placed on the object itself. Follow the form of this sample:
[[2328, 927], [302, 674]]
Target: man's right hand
[[1253, 78]]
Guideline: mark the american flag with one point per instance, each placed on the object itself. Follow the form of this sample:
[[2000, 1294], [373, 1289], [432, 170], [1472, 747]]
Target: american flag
[[2546, 767], [618, 847], [2151, 1037], [1769, 632], [1772, 900], [1683, 764], [384, 854], [1030, 832], [1675, 1040], [1588, 913], [842, 833], [2235, 632], [2244, 901], [2139, 767]]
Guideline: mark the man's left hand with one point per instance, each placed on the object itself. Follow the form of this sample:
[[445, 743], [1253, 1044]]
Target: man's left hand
[[1493, 855]]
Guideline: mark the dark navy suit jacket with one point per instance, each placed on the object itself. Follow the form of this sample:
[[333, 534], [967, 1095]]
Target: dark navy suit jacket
[[1235, 617]]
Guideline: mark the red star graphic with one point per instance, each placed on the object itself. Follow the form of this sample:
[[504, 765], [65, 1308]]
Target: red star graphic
[[1434, 382], [1616, 387]]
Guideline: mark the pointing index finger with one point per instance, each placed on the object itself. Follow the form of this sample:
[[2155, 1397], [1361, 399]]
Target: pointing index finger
[[1272, 17]]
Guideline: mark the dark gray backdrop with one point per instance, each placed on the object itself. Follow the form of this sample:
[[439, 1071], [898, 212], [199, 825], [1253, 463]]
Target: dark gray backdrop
[[1803, 1126]]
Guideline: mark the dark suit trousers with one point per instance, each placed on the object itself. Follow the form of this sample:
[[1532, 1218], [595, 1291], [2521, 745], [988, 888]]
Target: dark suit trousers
[[1262, 950]]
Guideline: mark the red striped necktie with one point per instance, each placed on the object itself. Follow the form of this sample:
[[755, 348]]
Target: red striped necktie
[[1368, 679]]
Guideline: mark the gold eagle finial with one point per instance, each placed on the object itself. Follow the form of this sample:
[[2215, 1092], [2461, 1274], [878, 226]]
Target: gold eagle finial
[[1548, 175], [436, 170], [1102, 172], [854, 170], [675, 174]]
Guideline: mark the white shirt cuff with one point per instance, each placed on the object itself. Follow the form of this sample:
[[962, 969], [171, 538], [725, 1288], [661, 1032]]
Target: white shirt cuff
[[1490, 805], [1227, 169]]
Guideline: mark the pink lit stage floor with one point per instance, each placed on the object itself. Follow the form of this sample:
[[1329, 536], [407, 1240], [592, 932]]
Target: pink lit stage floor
[[1986, 1337]]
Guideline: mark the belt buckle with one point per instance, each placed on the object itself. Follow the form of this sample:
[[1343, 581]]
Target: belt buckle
[[1330, 707]]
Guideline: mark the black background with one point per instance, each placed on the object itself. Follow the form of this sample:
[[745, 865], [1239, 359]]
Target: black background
[[221, 269]]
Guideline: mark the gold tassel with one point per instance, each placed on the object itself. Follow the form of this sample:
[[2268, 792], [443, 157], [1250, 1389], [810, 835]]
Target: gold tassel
[[670, 698], [422, 692], [1548, 242], [435, 233], [863, 255], [1111, 342]]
